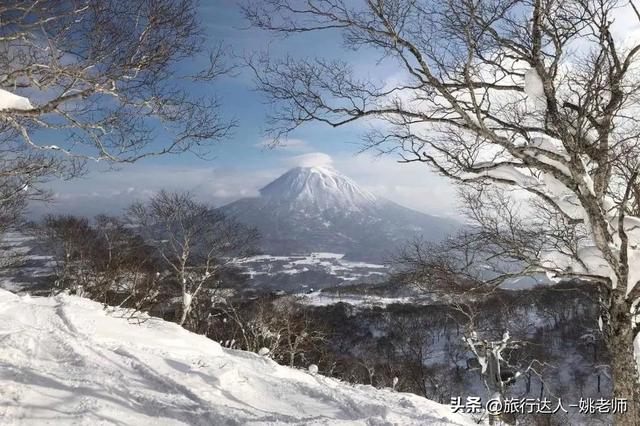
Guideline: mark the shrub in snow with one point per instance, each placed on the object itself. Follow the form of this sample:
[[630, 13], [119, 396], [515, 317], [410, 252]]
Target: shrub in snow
[[228, 343], [291, 334]]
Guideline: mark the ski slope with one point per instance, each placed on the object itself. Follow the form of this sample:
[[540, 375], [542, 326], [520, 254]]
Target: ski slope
[[65, 361]]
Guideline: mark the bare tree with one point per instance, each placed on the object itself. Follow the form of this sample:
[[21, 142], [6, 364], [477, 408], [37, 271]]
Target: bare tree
[[104, 261], [536, 95], [103, 78], [496, 370], [292, 336], [464, 269], [13, 202], [195, 242], [127, 268], [413, 347], [74, 246]]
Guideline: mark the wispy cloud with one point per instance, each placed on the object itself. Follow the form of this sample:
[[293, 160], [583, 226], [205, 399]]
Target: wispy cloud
[[412, 185], [291, 145], [111, 192], [309, 160]]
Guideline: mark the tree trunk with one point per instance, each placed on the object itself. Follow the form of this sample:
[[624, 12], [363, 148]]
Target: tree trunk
[[623, 362], [186, 308], [183, 315]]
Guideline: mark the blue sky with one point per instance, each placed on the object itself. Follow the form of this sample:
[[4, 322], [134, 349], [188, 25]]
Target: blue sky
[[241, 164]]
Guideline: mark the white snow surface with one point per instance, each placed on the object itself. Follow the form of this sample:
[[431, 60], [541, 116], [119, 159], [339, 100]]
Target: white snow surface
[[533, 86], [331, 263], [9, 100], [65, 360], [318, 298], [323, 187]]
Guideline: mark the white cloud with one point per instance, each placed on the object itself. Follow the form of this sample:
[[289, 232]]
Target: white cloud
[[412, 185], [318, 159], [112, 191]]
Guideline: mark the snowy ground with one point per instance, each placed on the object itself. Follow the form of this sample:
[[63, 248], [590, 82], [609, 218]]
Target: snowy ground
[[333, 264], [64, 360], [318, 298]]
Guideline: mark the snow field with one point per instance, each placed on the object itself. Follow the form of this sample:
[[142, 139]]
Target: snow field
[[66, 361]]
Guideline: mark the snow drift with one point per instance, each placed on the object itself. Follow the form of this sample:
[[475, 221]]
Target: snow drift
[[64, 360]]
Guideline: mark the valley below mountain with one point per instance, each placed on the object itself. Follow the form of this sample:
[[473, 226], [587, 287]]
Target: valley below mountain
[[319, 229]]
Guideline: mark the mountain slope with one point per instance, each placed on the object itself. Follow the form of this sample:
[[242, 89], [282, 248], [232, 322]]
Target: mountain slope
[[318, 188], [65, 361], [312, 209]]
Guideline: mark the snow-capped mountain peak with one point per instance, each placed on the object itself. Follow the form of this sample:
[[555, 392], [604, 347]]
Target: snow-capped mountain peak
[[319, 187], [318, 209]]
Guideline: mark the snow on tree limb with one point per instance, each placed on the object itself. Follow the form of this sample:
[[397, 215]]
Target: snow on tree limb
[[10, 101], [533, 85], [463, 106]]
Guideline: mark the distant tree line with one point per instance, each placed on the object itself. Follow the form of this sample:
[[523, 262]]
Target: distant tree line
[[170, 256]]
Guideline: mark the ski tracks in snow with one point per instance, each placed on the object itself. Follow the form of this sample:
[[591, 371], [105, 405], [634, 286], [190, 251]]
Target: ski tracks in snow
[[65, 361], [66, 373]]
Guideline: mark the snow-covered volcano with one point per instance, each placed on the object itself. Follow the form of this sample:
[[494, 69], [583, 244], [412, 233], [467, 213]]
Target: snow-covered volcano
[[318, 209], [318, 188]]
